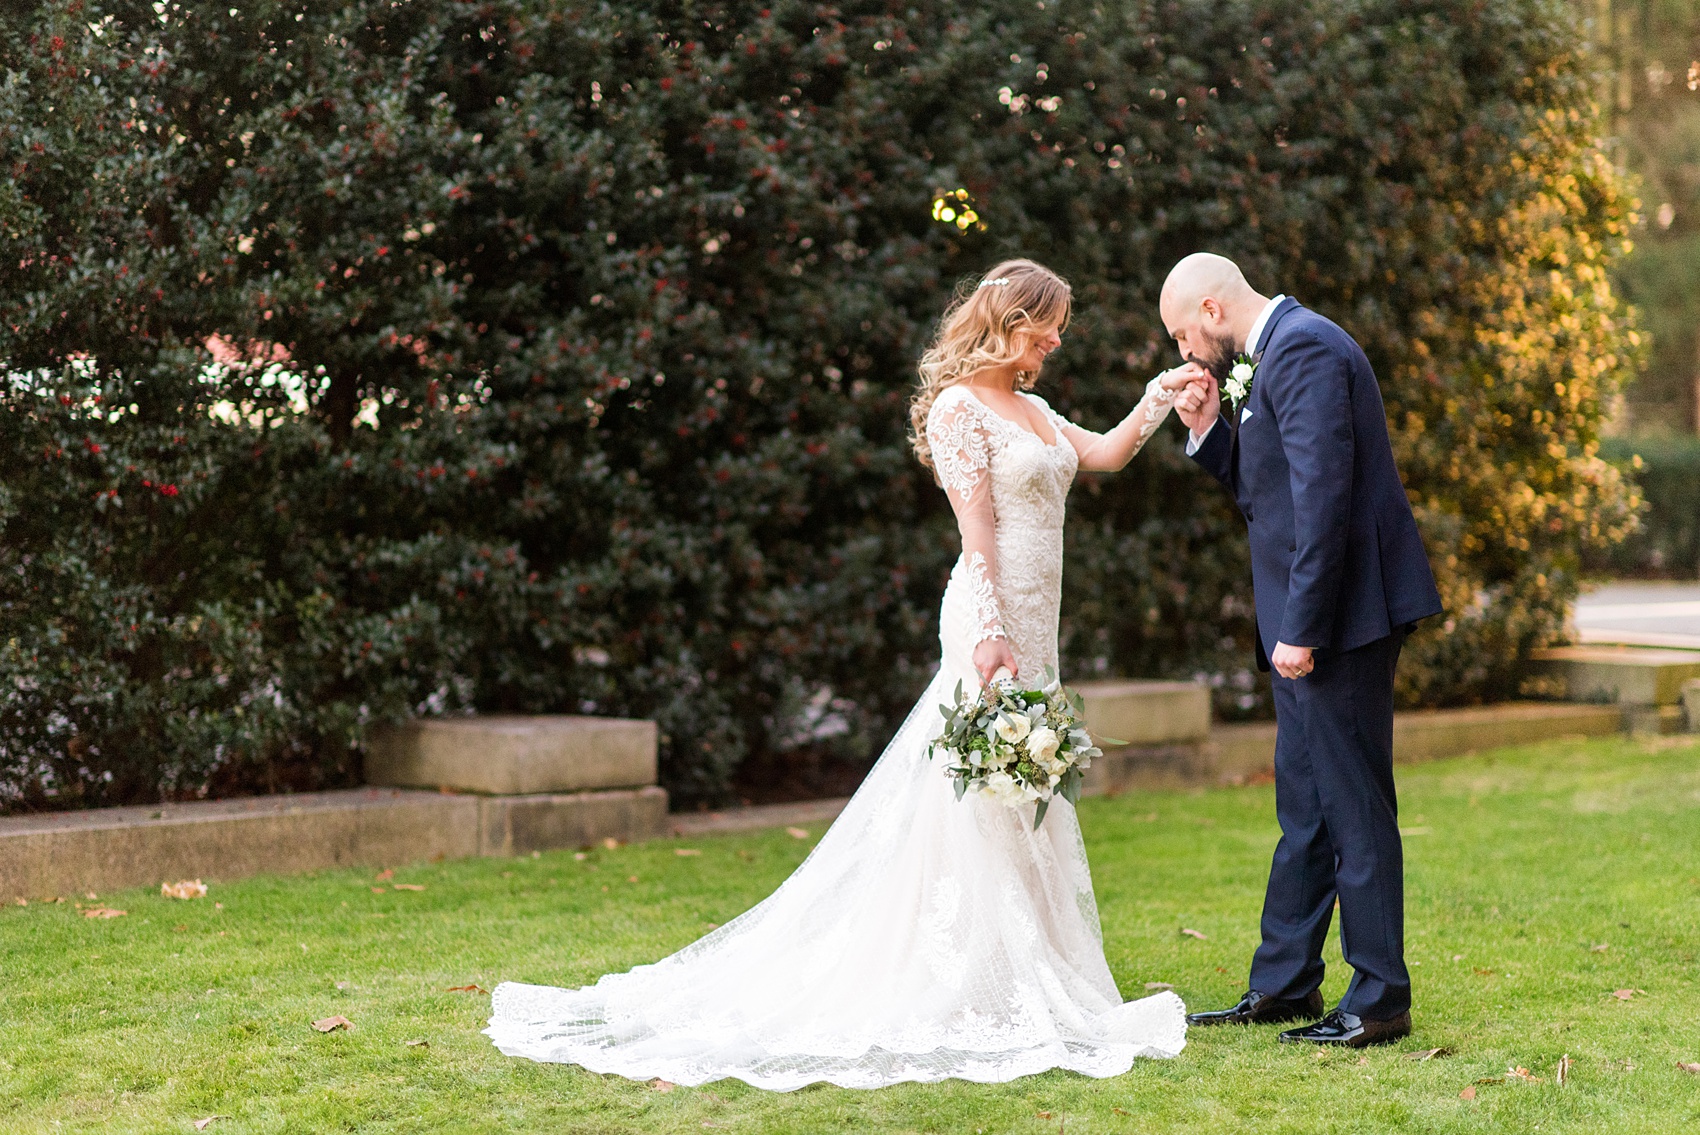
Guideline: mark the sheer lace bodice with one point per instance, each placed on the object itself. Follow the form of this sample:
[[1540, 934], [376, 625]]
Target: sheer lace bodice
[[1007, 485], [924, 937]]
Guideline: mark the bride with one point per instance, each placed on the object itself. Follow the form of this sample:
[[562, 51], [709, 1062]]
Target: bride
[[924, 938]]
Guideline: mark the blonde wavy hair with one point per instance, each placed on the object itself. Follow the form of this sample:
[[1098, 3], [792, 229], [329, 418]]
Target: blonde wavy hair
[[988, 325]]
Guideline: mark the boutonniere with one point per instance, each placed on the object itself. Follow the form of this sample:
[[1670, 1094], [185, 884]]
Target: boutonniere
[[1240, 377]]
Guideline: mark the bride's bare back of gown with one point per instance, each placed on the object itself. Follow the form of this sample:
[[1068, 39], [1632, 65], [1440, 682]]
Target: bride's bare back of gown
[[924, 938]]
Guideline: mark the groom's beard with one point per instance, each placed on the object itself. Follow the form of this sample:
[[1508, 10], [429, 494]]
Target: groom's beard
[[1217, 357]]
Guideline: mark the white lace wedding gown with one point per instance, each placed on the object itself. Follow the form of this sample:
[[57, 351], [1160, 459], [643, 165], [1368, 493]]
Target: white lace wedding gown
[[924, 938]]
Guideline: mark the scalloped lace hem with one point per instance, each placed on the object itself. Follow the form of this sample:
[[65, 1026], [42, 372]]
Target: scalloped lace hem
[[1150, 1028]]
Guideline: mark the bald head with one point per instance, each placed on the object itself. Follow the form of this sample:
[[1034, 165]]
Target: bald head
[[1208, 308], [1204, 274]]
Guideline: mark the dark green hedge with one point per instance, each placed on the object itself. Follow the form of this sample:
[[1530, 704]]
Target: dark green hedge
[[571, 344], [1667, 545]]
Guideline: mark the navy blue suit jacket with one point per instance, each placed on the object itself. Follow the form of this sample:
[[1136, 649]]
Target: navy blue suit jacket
[[1336, 560]]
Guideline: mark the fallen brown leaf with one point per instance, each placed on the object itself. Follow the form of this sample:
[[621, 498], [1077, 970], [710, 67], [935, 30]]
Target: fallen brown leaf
[[377, 890], [1468, 1093], [659, 1085], [797, 833], [686, 851], [1599, 949], [467, 989], [408, 886], [1118, 1110], [1691, 1069], [203, 1124], [330, 1024], [103, 912], [384, 876], [1191, 933], [21, 901], [1626, 994], [418, 1044], [1158, 986], [1563, 1072], [1521, 1073], [184, 889], [1428, 1054], [1483, 972], [1043, 1114], [611, 843]]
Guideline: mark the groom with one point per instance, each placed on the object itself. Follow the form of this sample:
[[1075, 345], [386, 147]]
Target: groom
[[1339, 577]]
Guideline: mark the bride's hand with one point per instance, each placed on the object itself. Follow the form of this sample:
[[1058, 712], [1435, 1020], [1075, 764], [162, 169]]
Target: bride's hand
[[992, 655], [1181, 376]]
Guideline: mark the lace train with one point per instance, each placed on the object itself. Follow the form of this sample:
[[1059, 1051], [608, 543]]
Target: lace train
[[924, 938]]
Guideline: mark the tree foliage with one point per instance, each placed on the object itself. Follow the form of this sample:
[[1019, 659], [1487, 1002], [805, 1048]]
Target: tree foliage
[[369, 358]]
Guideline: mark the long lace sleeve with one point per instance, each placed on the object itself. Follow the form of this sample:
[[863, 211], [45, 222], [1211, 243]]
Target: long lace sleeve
[[1108, 452], [962, 456]]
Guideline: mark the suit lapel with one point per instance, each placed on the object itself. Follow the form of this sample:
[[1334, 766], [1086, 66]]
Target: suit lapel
[[1281, 310]]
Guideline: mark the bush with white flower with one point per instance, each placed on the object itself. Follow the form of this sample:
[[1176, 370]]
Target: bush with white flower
[[1016, 746]]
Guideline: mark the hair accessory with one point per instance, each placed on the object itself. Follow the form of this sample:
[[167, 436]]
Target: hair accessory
[[1001, 281]]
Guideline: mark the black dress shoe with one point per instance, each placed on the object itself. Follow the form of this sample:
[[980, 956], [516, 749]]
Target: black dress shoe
[[1350, 1030], [1256, 1009]]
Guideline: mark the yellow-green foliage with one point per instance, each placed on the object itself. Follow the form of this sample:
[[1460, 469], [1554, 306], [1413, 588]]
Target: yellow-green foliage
[[1503, 458]]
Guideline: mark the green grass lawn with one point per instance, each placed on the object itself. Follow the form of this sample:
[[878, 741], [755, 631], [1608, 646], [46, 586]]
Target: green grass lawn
[[1541, 880]]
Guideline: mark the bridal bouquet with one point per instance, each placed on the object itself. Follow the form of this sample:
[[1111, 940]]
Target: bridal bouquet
[[1017, 746]]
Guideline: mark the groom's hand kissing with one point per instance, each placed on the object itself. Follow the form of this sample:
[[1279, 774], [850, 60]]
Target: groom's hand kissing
[[1199, 402]]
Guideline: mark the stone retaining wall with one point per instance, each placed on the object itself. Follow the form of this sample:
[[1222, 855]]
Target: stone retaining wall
[[68, 853]]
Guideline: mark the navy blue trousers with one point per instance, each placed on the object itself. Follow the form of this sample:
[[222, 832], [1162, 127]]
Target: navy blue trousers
[[1339, 820]]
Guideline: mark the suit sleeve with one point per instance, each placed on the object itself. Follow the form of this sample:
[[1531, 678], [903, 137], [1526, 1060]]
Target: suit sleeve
[[1310, 396], [1216, 452]]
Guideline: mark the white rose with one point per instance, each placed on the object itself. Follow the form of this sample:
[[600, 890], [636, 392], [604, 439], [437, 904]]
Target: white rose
[[1043, 742], [1013, 728], [1000, 786], [1241, 373]]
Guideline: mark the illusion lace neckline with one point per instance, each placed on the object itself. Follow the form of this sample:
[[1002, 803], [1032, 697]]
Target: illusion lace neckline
[[1057, 437]]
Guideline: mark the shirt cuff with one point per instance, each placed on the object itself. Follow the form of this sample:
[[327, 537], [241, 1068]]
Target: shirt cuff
[[1193, 443]]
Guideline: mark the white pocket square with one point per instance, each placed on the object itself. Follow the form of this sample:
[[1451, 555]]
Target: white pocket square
[[1244, 414]]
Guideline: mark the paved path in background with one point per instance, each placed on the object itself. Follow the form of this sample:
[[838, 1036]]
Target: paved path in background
[[1641, 614]]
